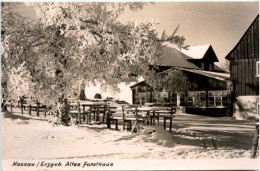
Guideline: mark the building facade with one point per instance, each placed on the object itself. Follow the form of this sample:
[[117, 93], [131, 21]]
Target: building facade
[[209, 92], [244, 73]]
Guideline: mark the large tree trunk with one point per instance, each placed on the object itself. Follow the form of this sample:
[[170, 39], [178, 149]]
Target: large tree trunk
[[3, 101], [63, 108], [82, 95], [3, 105]]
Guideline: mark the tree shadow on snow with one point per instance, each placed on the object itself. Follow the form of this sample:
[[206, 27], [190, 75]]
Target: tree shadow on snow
[[12, 116], [127, 137], [229, 133], [93, 127]]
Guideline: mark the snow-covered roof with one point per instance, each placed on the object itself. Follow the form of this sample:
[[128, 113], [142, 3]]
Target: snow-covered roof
[[211, 74], [215, 75], [173, 57], [196, 52]]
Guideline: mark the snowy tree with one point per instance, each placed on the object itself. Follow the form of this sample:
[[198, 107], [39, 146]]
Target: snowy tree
[[172, 81], [71, 44]]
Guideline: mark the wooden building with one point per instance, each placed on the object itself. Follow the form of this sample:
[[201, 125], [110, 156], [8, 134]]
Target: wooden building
[[244, 72], [209, 91]]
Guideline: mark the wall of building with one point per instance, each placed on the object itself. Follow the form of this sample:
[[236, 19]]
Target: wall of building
[[202, 101], [215, 112], [243, 62], [203, 83], [244, 77], [246, 107]]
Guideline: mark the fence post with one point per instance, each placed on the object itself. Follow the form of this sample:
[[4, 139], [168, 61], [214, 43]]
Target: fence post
[[11, 105], [255, 142], [21, 102], [78, 106], [171, 119], [30, 110], [37, 109]]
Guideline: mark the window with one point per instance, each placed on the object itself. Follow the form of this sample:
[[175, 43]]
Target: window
[[202, 65], [190, 101], [210, 66], [202, 96], [163, 97], [257, 68], [148, 97], [182, 99], [141, 88], [174, 98], [196, 99], [154, 97], [218, 98], [136, 99], [160, 97], [142, 98]]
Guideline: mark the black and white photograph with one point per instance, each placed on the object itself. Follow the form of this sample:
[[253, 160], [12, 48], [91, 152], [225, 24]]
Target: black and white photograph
[[109, 85]]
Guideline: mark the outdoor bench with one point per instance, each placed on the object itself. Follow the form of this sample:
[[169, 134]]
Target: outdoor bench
[[96, 110], [114, 113], [76, 110], [166, 114], [85, 109], [127, 114], [157, 112], [36, 106]]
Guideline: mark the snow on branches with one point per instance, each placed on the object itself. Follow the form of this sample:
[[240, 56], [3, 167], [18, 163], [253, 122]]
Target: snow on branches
[[75, 42]]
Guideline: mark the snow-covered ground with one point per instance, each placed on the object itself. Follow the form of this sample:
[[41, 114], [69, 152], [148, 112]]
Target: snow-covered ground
[[193, 137]]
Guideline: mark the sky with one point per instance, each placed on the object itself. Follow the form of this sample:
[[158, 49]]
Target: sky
[[220, 24]]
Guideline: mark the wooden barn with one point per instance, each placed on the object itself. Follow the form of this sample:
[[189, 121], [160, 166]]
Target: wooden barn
[[209, 91], [244, 72]]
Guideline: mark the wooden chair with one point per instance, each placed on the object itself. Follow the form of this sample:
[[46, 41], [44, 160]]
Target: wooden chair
[[37, 106], [114, 114], [103, 110], [129, 116], [75, 110], [166, 114], [134, 116], [97, 110], [118, 113]]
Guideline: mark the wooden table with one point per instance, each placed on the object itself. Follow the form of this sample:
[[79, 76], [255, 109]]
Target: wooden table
[[151, 113], [94, 107]]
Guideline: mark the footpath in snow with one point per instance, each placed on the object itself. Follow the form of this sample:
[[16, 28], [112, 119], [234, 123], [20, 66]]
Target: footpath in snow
[[193, 137]]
